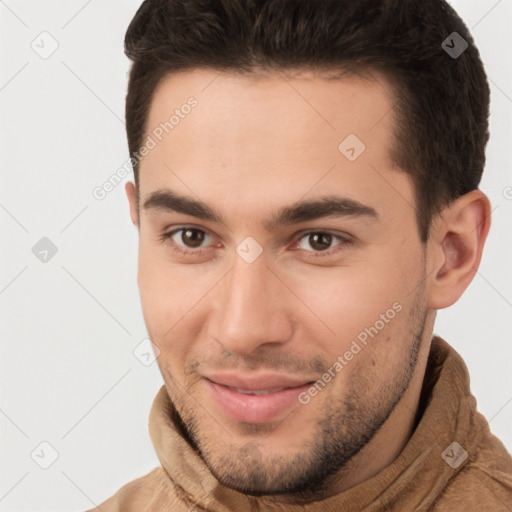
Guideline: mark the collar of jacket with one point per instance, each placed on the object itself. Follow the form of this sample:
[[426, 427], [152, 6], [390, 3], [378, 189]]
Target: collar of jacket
[[413, 481]]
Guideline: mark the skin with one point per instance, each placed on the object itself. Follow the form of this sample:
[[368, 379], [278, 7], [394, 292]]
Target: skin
[[251, 146]]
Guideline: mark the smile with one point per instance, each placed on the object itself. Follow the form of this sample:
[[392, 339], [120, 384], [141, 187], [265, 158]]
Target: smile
[[256, 399]]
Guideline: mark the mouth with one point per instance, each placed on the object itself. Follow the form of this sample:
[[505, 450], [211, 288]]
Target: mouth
[[255, 399], [258, 393]]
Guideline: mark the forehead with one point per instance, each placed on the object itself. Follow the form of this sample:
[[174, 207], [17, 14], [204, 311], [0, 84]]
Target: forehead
[[296, 105], [287, 112], [267, 136]]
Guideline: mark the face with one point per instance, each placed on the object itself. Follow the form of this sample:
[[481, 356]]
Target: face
[[280, 270]]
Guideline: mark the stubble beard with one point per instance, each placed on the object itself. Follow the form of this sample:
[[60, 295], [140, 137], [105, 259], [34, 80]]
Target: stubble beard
[[346, 426]]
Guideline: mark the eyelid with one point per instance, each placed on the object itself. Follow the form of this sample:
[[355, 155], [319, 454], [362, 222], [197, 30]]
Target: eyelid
[[345, 240], [341, 234]]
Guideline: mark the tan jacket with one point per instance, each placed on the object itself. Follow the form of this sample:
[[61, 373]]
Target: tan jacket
[[430, 474]]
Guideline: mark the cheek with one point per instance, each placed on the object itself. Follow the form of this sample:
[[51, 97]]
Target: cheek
[[172, 299], [162, 299], [153, 281], [346, 300], [348, 303]]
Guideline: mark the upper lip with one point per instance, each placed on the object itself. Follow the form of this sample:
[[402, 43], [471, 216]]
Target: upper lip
[[257, 381]]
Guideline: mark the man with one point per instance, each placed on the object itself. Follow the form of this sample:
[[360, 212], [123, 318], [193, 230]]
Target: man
[[306, 197]]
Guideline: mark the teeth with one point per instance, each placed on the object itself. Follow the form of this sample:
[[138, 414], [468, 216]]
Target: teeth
[[254, 392]]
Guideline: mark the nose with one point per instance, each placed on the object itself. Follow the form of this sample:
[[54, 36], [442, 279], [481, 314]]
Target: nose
[[253, 308]]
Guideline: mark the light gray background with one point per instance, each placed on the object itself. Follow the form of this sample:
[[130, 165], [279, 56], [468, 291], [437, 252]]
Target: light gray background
[[69, 326]]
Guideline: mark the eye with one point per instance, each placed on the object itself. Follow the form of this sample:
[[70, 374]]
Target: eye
[[187, 240], [321, 243]]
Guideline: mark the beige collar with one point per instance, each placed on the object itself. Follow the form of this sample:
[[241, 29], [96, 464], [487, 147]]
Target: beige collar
[[414, 480]]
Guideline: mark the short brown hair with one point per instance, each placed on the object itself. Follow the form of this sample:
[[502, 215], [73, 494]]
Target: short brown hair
[[441, 103]]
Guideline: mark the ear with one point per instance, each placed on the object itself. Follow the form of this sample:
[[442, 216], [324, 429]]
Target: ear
[[131, 194], [455, 247]]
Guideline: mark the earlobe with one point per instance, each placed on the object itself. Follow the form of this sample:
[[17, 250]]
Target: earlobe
[[456, 247], [131, 194]]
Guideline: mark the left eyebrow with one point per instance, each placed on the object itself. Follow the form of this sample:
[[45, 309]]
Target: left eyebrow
[[325, 206]]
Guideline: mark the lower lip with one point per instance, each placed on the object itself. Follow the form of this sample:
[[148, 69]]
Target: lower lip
[[254, 408]]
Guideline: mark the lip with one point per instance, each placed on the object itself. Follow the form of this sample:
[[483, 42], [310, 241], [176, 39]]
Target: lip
[[283, 395]]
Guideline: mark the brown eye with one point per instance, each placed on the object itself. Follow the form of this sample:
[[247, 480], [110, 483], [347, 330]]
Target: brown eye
[[192, 237], [187, 240], [319, 241], [317, 244]]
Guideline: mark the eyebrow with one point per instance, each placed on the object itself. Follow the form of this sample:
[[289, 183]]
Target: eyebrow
[[325, 206]]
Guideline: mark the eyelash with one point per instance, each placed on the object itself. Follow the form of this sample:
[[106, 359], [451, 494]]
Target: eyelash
[[345, 242]]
